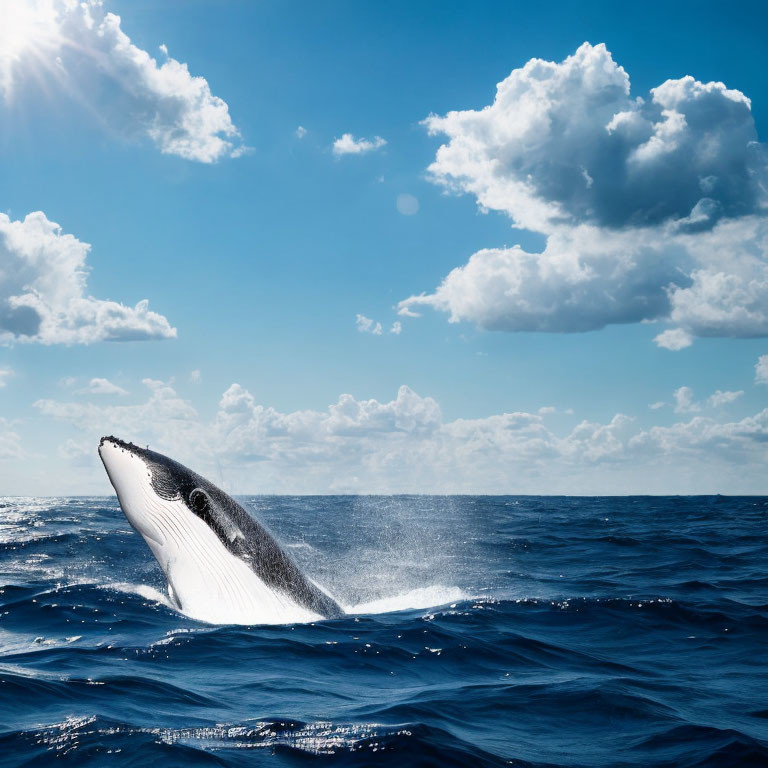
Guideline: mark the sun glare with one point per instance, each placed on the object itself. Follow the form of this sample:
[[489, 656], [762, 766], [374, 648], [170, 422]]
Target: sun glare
[[26, 26]]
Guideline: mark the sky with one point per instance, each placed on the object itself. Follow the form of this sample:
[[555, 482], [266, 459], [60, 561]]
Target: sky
[[386, 248]]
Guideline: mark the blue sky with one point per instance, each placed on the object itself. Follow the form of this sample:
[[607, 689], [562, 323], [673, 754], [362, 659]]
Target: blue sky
[[262, 261]]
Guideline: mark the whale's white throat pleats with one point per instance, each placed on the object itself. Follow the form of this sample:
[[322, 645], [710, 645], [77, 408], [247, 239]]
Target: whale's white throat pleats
[[222, 566]]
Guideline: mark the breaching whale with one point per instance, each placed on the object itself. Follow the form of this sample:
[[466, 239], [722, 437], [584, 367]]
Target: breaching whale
[[222, 566]]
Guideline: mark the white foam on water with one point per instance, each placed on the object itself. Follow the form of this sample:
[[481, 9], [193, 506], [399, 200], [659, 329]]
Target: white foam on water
[[250, 615], [414, 599], [423, 597], [13, 642], [142, 590]]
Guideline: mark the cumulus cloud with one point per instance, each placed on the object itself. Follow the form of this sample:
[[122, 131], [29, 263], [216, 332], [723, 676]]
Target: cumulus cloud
[[406, 445], [563, 289], [723, 397], [349, 145], [5, 374], [366, 325], [83, 49], [674, 339], [685, 402], [245, 433], [163, 417], [10, 442], [549, 410], [566, 143], [761, 370], [99, 386], [301, 132], [42, 291], [653, 209], [703, 449]]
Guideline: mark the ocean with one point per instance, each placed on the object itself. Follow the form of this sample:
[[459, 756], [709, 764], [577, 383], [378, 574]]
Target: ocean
[[483, 631]]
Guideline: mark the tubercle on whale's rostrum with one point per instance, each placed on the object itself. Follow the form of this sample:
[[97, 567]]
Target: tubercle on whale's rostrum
[[121, 444], [117, 441]]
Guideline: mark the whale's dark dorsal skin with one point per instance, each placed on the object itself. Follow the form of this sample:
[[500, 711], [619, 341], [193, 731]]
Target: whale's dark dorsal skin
[[156, 501]]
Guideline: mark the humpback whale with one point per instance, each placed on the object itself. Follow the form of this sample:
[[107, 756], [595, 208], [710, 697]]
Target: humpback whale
[[222, 565]]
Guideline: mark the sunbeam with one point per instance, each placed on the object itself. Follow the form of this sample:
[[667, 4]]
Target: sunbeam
[[27, 27]]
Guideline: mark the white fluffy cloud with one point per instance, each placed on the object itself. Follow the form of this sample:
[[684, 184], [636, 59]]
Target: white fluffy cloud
[[674, 339], [349, 145], [761, 370], [406, 445], [98, 386], [42, 291], [163, 417], [703, 451], [10, 442], [685, 402], [653, 208], [5, 374], [366, 325], [83, 49], [562, 289], [566, 143], [723, 397]]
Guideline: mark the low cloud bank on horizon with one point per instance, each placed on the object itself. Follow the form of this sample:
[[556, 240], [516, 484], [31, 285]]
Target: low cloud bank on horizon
[[406, 446]]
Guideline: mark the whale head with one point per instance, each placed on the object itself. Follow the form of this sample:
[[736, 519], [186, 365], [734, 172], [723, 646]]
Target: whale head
[[222, 566], [150, 486]]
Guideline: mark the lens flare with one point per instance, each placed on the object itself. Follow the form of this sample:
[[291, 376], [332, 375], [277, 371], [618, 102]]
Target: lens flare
[[27, 27]]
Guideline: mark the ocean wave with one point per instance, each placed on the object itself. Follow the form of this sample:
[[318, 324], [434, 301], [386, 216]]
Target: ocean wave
[[584, 632], [369, 743], [414, 599], [141, 590]]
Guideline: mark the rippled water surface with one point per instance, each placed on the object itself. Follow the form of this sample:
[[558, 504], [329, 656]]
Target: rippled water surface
[[485, 631]]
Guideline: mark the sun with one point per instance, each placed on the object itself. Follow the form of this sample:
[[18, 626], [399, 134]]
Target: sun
[[26, 27]]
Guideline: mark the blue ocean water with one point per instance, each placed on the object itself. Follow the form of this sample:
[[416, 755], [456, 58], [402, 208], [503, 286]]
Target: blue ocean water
[[488, 631]]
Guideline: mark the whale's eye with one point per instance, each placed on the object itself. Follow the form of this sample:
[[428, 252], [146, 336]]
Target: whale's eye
[[198, 501]]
